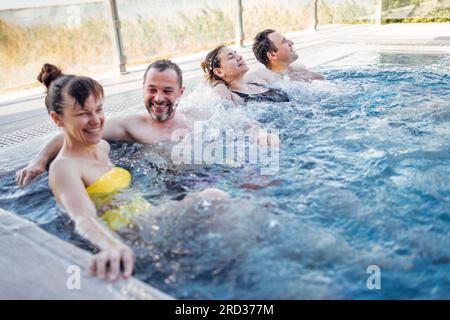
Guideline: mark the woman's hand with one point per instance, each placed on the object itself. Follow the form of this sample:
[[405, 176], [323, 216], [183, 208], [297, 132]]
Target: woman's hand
[[113, 262]]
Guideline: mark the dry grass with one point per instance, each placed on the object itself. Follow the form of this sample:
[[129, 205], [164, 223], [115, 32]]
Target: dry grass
[[79, 50], [87, 49], [145, 38]]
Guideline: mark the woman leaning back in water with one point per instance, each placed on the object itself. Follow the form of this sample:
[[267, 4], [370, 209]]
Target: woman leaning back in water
[[225, 70]]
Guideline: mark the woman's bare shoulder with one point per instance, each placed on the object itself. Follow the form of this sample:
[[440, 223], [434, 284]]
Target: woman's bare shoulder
[[104, 146], [63, 165], [63, 172]]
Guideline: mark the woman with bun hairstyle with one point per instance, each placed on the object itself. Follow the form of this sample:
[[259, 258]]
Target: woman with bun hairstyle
[[82, 177], [225, 69]]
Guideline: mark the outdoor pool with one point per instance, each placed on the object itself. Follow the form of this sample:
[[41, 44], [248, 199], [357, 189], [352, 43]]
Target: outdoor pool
[[363, 180]]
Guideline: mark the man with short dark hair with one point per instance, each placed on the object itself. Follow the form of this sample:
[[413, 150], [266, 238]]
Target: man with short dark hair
[[262, 45], [277, 54], [163, 65]]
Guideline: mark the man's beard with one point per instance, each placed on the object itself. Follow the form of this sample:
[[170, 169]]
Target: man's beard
[[171, 107], [294, 56]]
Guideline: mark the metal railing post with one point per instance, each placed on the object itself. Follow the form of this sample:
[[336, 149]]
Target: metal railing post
[[239, 27], [314, 19], [378, 12], [119, 54]]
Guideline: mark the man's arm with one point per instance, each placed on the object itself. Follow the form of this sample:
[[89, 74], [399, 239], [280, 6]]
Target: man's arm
[[302, 74], [116, 128], [39, 163]]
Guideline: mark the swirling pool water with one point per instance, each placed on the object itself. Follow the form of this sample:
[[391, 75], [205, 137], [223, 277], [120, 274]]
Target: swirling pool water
[[363, 179]]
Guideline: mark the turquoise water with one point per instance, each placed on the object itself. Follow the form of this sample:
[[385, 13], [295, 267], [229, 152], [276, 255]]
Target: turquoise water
[[364, 180]]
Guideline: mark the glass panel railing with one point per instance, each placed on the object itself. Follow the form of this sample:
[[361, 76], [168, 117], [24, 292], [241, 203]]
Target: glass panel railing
[[163, 28], [282, 15], [416, 10], [74, 36], [346, 11]]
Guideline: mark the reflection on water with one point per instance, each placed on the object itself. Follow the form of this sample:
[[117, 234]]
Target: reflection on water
[[363, 180]]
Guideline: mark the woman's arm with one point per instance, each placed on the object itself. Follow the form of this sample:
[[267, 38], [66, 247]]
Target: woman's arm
[[70, 192]]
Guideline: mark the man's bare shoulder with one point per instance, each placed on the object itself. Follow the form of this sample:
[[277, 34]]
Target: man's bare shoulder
[[127, 117], [129, 122], [299, 72], [141, 118]]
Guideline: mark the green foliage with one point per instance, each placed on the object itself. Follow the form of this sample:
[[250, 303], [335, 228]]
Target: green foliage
[[417, 20], [393, 4], [439, 13], [353, 10]]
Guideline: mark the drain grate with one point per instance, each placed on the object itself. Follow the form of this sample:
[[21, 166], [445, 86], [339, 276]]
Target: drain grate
[[436, 42], [415, 43], [443, 39], [439, 42], [25, 135], [132, 101]]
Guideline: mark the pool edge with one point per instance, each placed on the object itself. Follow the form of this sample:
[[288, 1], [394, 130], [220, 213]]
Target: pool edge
[[37, 265]]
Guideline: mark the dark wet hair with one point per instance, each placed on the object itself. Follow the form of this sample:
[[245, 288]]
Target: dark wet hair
[[262, 45], [163, 65], [59, 85], [210, 63]]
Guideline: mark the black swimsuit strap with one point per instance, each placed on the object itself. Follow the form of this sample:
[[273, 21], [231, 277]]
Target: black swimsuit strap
[[257, 84], [240, 94], [245, 95]]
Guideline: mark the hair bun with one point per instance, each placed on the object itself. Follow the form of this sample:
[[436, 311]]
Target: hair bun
[[48, 73], [203, 65]]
